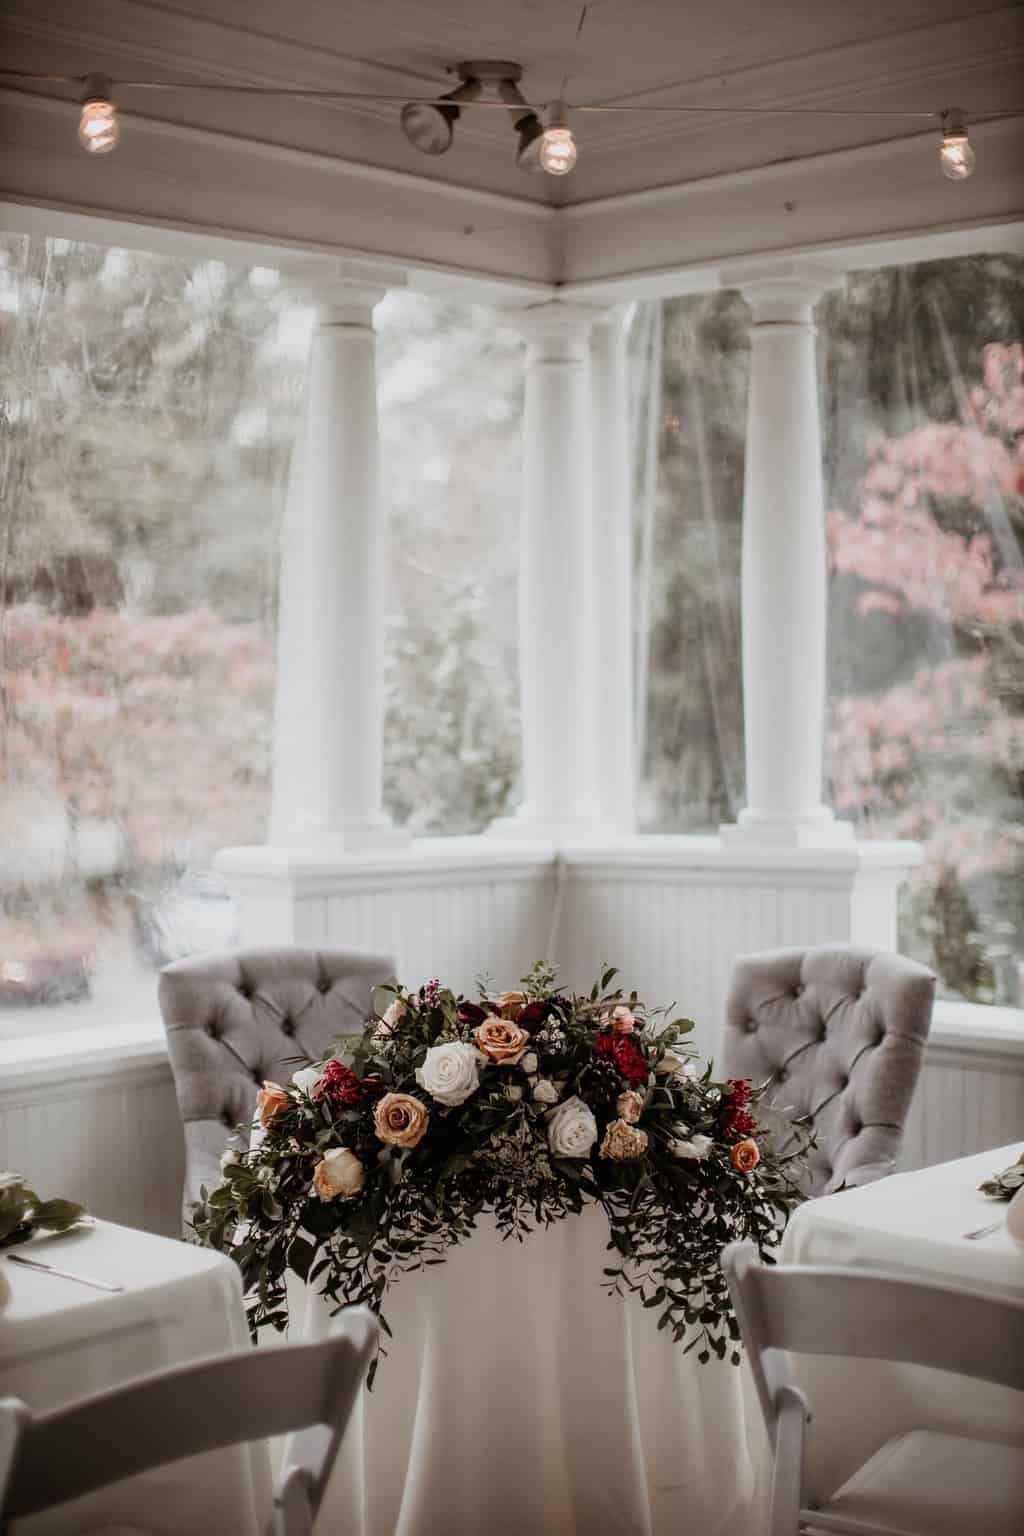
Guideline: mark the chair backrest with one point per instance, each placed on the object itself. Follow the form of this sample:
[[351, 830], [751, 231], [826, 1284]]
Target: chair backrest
[[237, 1018], [860, 1314], [839, 1032], [194, 1408]]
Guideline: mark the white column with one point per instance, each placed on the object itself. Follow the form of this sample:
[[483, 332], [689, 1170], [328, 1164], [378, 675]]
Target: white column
[[613, 544], [329, 714], [557, 600], [784, 571]]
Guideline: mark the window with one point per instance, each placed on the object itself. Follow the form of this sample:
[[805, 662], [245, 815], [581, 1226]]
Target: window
[[923, 421], [147, 413]]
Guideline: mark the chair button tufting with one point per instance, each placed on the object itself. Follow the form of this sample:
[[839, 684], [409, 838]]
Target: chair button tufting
[[257, 1077], [751, 1026], [798, 990], [212, 1030], [287, 1027], [822, 1030], [245, 989], [781, 1075], [323, 985], [227, 1118]]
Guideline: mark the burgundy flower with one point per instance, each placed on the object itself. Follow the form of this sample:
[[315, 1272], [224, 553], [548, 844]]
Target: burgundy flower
[[624, 1054], [340, 1084], [470, 1013], [533, 1016], [735, 1122]]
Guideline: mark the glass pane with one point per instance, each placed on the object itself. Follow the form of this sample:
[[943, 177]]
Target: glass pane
[[924, 395]]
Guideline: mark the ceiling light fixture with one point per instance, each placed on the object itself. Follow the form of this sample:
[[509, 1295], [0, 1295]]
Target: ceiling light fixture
[[558, 152], [543, 145], [429, 126], [956, 155], [98, 130]]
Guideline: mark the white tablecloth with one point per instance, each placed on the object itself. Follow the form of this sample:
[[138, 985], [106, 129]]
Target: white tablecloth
[[519, 1398], [910, 1224], [60, 1340]]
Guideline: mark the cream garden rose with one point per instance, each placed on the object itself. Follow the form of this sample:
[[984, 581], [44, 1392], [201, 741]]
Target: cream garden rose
[[450, 1072], [338, 1175], [622, 1143], [308, 1080], [572, 1129], [629, 1106], [393, 1013], [509, 1005], [545, 1091]]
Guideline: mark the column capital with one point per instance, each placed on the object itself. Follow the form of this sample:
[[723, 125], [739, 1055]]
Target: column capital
[[555, 331], [784, 292], [342, 292]]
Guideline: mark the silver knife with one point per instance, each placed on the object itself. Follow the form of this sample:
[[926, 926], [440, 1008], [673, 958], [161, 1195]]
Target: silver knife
[[65, 1274]]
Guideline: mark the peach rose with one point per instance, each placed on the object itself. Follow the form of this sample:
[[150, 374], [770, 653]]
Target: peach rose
[[509, 1005], [271, 1099], [622, 1020], [504, 1042], [401, 1120], [338, 1173], [628, 1106], [622, 1143], [745, 1155]]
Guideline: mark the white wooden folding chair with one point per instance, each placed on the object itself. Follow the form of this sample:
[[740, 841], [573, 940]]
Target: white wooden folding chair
[[922, 1483], [308, 1388]]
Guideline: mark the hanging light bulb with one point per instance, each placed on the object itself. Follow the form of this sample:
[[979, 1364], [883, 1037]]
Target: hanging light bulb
[[98, 130], [956, 155], [428, 125], [558, 151]]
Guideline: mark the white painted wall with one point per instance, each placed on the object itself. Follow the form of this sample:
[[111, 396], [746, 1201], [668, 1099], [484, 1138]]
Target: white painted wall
[[97, 1120]]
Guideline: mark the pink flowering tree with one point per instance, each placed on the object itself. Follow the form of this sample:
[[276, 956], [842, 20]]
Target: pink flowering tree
[[934, 548]]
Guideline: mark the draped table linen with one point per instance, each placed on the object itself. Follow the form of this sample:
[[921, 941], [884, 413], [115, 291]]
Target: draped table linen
[[61, 1340], [910, 1224], [519, 1397]]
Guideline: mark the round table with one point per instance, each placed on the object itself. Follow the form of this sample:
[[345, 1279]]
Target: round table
[[518, 1396]]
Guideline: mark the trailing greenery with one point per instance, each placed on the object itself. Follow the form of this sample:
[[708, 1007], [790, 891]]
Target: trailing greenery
[[527, 1106], [22, 1213]]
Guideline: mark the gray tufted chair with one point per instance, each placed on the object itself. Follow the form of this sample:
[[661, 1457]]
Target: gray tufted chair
[[234, 1019], [840, 1032]]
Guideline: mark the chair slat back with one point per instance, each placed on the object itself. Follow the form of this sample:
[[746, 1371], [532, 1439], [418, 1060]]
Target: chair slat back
[[190, 1409], [871, 1316]]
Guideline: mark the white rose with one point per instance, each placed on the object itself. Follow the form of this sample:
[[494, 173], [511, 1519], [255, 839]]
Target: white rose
[[307, 1079], [572, 1129], [673, 1066], [450, 1072], [698, 1148], [545, 1092], [529, 1063], [232, 1158], [514, 1092]]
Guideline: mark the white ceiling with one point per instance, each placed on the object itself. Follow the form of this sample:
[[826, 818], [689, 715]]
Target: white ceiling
[[908, 54]]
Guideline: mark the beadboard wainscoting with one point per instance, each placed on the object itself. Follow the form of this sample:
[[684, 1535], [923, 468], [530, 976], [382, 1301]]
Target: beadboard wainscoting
[[93, 1115]]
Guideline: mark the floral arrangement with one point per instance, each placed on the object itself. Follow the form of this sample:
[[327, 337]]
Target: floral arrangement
[[1003, 1186], [22, 1213], [526, 1105]]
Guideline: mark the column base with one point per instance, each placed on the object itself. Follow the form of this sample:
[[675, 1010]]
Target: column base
[[362, 835], [818, 830], [531, 829]]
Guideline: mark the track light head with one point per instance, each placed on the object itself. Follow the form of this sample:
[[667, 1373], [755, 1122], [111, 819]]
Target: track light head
[[429, 126], [526, 123]]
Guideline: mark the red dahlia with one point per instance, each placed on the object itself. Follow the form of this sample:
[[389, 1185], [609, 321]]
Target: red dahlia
[[624, 1054], [339, 1084], [734, 1119]]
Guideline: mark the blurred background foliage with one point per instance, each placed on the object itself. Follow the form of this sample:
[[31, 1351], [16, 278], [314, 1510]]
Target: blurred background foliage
[[147, 414]]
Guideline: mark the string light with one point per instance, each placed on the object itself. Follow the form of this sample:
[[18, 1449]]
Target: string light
[[558, 152], [98, 130], [956, 155], [551, 148]]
